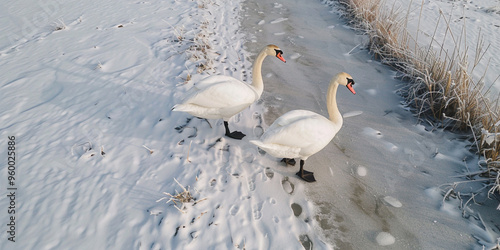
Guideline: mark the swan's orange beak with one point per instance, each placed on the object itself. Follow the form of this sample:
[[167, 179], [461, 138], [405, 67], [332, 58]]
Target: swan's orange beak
[[280, 56], [349, 86]]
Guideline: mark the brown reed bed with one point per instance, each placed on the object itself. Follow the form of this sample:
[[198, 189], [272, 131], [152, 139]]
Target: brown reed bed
[[440, 86]]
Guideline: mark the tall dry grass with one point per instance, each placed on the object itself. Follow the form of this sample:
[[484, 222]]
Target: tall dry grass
[[440, 85]]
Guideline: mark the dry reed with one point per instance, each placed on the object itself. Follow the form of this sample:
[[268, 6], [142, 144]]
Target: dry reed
[[440, 86]]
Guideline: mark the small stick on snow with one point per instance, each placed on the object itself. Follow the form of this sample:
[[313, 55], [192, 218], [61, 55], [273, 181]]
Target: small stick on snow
[[150, 151], [198, 201], [189, 150]]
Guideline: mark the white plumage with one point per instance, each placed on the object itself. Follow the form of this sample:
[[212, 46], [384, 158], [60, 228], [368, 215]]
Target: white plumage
[[297, 134], [302, 133], [221, 97]]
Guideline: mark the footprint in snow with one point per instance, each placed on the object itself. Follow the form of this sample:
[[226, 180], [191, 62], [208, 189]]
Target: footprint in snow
[[276, 219], [287, 185], [297, 209], [213, 144], [258, 117], [269, 173], [193, 131], [306, 241], [234, 210], [272, 201], [213, 182], [257, 210], [251, 184], [180, 128], [258, 131]]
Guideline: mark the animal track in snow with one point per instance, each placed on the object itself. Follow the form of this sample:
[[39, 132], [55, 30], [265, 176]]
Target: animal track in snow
[[297, 209], [257, 210], [287, 185], [181, 127], [213, 144], [306, 241], [276, 219], [269, 173], [258, 117], [272, 201], [193, 131], [258, 131], [234, 210], [251, 184]]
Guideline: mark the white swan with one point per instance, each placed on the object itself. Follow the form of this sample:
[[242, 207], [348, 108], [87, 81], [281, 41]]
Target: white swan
[[302, 133], [218, 96]]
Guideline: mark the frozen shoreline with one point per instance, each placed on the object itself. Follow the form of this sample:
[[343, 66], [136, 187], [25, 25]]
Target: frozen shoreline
[[88, 91], [358, 211]]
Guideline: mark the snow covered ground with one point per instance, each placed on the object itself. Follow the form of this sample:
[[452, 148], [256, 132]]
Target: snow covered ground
[[87, 89]]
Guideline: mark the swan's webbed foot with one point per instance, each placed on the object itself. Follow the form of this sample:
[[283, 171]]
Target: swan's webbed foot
[[306, 176], [236, 135], [289, 161]]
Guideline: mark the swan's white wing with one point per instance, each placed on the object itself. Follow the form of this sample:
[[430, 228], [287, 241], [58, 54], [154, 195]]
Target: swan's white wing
[[301, 129], [277, 150], [221, 92], [211, 80]]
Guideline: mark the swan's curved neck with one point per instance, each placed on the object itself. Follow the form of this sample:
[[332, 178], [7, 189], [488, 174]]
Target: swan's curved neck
[[257, 82], [331, 102]]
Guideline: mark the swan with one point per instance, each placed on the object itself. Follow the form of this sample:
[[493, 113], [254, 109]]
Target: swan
[[219, 96], [302, 133]]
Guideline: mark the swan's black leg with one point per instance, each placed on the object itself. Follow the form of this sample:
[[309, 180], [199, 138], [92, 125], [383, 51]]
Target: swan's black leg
[[235, 134], [288, 161], [305, 175]]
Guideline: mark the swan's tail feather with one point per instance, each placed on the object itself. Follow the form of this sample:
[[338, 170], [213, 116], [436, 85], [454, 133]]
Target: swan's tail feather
[[276, 150], [182, 107], [198, 111]]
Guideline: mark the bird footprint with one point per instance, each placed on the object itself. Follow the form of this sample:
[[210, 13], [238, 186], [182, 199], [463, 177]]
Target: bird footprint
[[258, 131], [269, 173], [287, 185], [234, 209], [297, 209], [257, 211]]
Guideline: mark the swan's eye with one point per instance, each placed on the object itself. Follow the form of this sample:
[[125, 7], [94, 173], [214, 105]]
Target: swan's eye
[[350, 81]]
